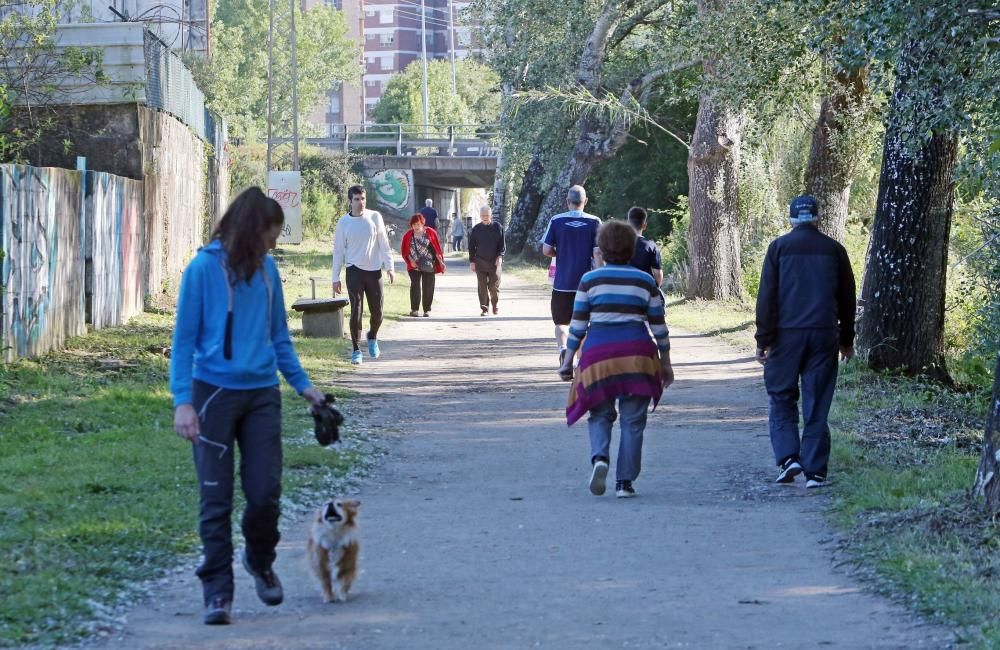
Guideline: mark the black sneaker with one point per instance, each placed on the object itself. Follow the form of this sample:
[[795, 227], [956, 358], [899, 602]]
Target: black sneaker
[[815, 480], [485, 311], [623, 489], [267, 584], [788, 470], [218, 611]]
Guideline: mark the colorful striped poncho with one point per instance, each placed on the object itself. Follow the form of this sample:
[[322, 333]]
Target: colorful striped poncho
[[617, 313]]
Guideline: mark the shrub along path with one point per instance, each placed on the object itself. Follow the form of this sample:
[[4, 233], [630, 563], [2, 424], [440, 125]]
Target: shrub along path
[[479, 529]]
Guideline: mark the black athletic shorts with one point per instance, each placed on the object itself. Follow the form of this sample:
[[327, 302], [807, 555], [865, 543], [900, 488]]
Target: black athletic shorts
[[562, 306]]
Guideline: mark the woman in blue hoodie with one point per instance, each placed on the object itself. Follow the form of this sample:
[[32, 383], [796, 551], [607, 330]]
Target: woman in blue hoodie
[[230, 341]]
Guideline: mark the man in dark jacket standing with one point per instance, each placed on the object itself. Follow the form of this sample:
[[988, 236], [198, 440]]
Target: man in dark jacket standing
[[430, 214], [805, 315], [487, 246]]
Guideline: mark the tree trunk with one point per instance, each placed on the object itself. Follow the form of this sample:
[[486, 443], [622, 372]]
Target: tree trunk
[[713, 236], [528, 202], [833, 155], [988, 475], [597, 140], [903, 292]]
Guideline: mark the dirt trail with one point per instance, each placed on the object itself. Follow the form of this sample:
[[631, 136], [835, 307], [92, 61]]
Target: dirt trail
[[479, 529]]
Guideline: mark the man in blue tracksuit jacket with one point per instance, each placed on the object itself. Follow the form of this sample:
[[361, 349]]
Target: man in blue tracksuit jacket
[[805, 315]]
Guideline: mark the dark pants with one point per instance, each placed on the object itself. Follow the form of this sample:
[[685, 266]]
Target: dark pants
[[807, 357], [488, 279], [421, 282], [250, 419], [367, 284], [456, 243]]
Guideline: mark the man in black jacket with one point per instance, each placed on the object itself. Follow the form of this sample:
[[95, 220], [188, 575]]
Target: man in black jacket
[[805, 315], [487, 246]]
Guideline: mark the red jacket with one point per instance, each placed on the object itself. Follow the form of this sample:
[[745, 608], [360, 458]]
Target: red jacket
[[432, 236]]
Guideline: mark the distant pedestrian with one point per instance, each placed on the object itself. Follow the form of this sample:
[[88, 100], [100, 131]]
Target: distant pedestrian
[[647, 255], [361, 242], [422, 253], [617, 314], [805, 315], [457, 232], [571, 239], [430, 214], [230, 341], [487, 245]]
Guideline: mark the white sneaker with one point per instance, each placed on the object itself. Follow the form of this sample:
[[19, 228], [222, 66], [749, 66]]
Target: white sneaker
[[815, 481], [597, 476]]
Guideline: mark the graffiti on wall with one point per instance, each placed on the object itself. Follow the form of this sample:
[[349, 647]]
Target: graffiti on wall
[[392, 187], [115, 278], [42, 285]]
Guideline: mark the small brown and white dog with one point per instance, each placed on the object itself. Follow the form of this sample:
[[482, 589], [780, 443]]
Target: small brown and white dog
[[333, 546]]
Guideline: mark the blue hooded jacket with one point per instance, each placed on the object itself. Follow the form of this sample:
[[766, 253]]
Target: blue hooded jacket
[[260, 342]]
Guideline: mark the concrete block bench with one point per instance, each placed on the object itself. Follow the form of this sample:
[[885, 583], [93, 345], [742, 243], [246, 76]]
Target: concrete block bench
[[321, 317]]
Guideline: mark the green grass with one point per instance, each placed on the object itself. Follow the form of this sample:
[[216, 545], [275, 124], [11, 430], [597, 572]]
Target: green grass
[[99, 494]]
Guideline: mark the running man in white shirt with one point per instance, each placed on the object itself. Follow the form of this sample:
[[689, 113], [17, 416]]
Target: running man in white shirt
[[361, 242]]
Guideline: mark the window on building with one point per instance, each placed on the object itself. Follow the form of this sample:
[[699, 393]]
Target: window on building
[[385, 39], [387, 63], [369, 12], [371, 83], [385, 16], [464, 38], [335, 103]]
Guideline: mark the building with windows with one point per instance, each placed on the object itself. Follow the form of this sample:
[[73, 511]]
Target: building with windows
[[391, 35]]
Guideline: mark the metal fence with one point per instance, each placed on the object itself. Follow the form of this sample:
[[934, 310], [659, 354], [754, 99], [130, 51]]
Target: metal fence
[[170, 87]]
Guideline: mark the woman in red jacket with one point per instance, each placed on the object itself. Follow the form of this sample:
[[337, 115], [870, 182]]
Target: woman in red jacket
[[422, 252]]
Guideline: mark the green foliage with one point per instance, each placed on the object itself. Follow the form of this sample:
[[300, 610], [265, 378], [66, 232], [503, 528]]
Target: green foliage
[[649, 171], [325, 178], [476, 102], [235, 79]]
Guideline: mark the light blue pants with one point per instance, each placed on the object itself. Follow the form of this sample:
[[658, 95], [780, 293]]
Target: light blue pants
[[633, 422]]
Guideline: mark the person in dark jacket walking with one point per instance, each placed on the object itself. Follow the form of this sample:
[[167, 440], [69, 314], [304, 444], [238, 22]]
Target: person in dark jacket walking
[[430, 214], [230, 341], [487, 246], [805, 315]]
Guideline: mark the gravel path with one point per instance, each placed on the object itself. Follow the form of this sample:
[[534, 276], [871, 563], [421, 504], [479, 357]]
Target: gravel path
[[479, 530]]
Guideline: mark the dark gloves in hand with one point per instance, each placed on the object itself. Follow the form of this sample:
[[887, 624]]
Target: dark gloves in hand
[[328, 420]]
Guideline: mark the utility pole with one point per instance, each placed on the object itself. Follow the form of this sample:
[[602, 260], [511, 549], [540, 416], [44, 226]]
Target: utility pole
[[282, 81], [423, 52], [451, 37]]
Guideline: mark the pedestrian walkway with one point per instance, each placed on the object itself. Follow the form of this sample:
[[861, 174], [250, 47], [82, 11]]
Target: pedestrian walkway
[[479, 531]]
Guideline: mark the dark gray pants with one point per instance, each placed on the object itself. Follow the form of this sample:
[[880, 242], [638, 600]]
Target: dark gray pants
[[807, 357], [421, 286], [488, 280], [364, 285], [250, 419]]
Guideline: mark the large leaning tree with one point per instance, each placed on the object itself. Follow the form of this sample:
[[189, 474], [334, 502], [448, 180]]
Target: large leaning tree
[[943, 68]]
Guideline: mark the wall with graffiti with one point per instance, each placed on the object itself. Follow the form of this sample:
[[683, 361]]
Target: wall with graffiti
[[393, 189], [42, 276], [115, 270]]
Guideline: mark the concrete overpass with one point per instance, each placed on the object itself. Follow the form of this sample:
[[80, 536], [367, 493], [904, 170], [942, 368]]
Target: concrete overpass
[[406, 164]]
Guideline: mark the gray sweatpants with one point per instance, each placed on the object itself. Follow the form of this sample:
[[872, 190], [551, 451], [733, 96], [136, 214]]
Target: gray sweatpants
[[251, 420]]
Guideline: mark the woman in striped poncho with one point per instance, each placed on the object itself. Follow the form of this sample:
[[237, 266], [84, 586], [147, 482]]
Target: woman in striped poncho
[[617, 314]]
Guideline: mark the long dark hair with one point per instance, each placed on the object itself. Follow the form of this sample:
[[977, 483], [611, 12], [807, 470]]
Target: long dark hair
[[241, 230]]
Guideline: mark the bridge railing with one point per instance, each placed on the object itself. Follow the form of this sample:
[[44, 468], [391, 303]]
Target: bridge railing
[[406, 139]]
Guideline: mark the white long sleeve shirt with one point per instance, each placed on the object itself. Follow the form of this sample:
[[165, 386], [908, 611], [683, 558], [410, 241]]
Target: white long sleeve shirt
[[362, 242]]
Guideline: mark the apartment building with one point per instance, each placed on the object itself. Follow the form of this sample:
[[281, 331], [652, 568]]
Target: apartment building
[[391, 34]]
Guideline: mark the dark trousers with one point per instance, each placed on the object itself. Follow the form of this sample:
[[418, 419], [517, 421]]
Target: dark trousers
[[421, 283], [806, 357], [251, 420], [367, 285], [488, 279]]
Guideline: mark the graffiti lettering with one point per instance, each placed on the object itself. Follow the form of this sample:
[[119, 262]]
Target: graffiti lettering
[[287, 198]]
